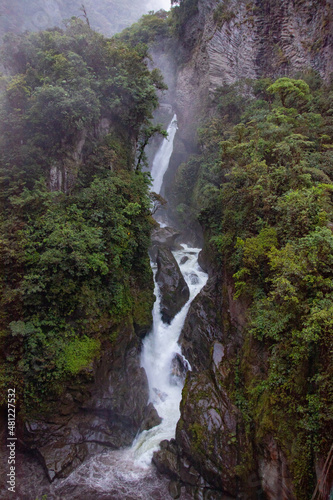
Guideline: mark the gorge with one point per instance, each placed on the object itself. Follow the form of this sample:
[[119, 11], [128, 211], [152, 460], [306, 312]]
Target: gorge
[[247, 174]]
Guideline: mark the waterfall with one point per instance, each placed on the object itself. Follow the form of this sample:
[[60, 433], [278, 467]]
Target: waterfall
[[159, 349], [162, 157], [128, 473]]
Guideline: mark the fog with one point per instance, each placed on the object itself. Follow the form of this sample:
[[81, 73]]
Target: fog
[[158, 4], [106, 16]]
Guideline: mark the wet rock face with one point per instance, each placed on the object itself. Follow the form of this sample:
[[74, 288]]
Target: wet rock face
[[275, 475], [152, 418], [165, 236], [207, 432], [179, 368], [210, 433], [107, 413], [204, 454], [174, 290], [202, 326]]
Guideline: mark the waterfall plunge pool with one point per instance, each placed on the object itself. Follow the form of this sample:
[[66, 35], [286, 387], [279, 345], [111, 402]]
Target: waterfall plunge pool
[[128, 473]]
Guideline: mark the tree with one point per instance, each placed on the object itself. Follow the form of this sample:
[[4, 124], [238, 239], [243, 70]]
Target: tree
[[291, 92], [146, 133]]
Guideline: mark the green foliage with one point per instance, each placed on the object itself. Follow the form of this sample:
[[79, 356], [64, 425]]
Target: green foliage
[[147, 29], [223, 13], [264, 185], [64, 83], [146, 134], [181, 13], [291, 91], [71, 263], [78, 353]]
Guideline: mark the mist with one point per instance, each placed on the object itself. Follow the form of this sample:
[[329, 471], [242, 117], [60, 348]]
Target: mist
[[158, 4], [105, 16]]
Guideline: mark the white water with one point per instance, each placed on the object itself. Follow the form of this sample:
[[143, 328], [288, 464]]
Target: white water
[[128, 473], [159, 348], [162, 157]]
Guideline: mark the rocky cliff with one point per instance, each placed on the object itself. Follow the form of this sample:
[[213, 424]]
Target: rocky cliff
[[222, 43], [229, 40], [105, 16]]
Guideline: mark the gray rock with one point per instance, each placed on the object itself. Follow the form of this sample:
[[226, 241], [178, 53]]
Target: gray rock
[[165, 236], [160, 394], [202, 326], [166, 460], [174, 489], [207, 432], [179, 368], [274, 472], [152, 418], [105, 413], [174, 290], [194, 278]]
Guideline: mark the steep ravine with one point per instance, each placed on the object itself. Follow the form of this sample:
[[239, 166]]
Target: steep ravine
[[229, 40], [212, 454]]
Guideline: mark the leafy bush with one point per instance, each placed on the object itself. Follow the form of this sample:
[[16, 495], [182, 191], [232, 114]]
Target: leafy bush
[[223, 13]]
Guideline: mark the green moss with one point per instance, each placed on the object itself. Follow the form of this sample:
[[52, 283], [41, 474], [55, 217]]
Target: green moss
[[79, 353], [198, 433], [223, 13], [143, 301]]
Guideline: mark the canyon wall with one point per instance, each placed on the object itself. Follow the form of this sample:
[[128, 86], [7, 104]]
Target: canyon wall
[[222, 43], [229, 40]]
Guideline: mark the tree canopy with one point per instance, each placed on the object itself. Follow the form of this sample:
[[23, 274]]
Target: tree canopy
[[264, 188], [75, 212]]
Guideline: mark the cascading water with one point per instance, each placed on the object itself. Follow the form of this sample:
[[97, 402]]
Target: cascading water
[[160, 348], [128, 473], [162, 157]]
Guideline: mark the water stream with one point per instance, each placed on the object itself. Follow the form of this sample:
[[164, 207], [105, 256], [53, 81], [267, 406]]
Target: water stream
[[128, 473], [162, 158], [159, 349]]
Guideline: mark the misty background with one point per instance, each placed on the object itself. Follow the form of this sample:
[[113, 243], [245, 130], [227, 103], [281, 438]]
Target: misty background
[[106, 16]]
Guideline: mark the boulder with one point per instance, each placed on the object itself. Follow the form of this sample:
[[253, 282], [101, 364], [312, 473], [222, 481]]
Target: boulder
[[175, 489], [160, 395], [166, 459], [174, 290], [179, 368], [152, 418], [165, 236]]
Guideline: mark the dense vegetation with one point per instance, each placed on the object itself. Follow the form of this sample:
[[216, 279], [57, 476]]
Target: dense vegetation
[[181, 12], [75, 210], [264, 188]]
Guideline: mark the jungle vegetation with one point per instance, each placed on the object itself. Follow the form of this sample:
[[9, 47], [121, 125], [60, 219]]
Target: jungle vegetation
[[263, 189], [75, 207]]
